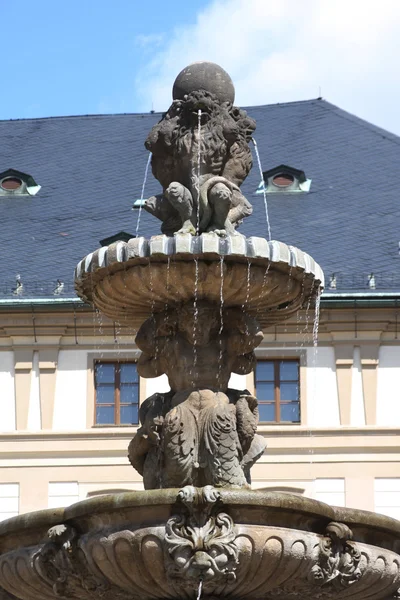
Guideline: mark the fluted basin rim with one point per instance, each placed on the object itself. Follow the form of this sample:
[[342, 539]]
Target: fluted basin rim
[[135, 279], [208, 246]]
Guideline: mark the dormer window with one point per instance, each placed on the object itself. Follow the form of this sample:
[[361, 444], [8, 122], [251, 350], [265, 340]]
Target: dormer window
[[284, 179], [121, 236], [11, 183], [16, 183]]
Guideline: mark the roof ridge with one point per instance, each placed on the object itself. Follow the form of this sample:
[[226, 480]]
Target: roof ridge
[[145, 114], [291, 103], [344, 114], [94, 115]]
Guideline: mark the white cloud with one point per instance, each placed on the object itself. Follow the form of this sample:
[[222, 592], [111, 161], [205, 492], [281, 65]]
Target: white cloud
[[151, 40], [285, 50]]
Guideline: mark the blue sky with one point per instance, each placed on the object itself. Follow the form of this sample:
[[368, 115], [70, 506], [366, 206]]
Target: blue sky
[[65, 57]]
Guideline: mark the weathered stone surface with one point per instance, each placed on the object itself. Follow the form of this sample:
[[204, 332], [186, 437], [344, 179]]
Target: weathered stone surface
[[269, 279], [204, 75], [198, 345], [199, 433], [201, 155], [160, 544], [197, 437]]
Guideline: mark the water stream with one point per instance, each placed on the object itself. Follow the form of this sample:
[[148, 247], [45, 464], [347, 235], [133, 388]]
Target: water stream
[[196, 311], [264, 190], [246, 301], [198, 170], [221, 318], [315, 360], [166, 304], [316, 318], [142, 193], [152, 305], [199, 590]]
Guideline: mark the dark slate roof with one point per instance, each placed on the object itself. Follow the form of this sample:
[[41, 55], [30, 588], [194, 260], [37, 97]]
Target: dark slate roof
[[91, 171]]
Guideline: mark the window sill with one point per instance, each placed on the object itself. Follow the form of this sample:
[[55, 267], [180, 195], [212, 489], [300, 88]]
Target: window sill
[[114, 425], [280, 424]]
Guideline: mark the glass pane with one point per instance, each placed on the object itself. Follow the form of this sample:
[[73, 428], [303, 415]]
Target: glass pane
[[128, 373], [290, 412], [129, 414], [289, 391], [104, 415], [265, 391], [105, 394], [267, 412], [289, 370], [265, 370], [104, 373], [129, 393]]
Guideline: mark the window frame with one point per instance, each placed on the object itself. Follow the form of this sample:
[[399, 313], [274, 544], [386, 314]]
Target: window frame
[[276, 403], [117, 392]]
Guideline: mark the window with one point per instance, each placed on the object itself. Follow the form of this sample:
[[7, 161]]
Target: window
[[331, 491], [387, 496], [277, 390], [9, 500], [117, 393], [63, 493], [284, 178], [11, 183], [121, 236], [16, 183]]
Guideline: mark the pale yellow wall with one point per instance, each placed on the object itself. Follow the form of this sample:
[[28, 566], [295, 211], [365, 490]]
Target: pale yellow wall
[[350, 416]]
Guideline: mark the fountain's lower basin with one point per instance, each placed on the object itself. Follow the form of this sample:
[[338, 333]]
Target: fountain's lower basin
[[161, 543], [132, 280]]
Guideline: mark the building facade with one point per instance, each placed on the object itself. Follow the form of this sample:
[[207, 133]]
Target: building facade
[[70, 393], [341, 445]]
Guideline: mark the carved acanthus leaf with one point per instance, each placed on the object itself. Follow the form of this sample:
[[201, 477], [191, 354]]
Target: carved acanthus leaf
[[339, 558]]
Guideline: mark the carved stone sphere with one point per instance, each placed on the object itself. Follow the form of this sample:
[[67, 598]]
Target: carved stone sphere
[[204, 76]]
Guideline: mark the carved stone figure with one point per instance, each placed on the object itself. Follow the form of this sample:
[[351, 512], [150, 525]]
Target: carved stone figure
[[196, 346], [200, 155], [201, 432], [61, 563], [200, 544]]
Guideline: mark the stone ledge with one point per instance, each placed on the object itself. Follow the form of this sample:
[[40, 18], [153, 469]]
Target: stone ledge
[[129, 281]]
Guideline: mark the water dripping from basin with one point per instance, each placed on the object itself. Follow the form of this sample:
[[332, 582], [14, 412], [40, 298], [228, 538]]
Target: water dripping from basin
[[198, 171], [264, 190], [142, 193], [221, 318], [196, 313], [199, 589]]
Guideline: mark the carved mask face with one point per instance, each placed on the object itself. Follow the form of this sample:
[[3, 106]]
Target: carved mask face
[[202, 553], [205, 565], [199, 326], [199, 101]]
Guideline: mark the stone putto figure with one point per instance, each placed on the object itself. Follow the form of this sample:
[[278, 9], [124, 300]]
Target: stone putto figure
[[201, 432]]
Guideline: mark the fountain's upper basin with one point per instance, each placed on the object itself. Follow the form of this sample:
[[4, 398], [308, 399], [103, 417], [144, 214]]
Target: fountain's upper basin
[[151, 544], [131, 280]]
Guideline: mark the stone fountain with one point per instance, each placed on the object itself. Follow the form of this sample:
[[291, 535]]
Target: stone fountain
[[200, 296]]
